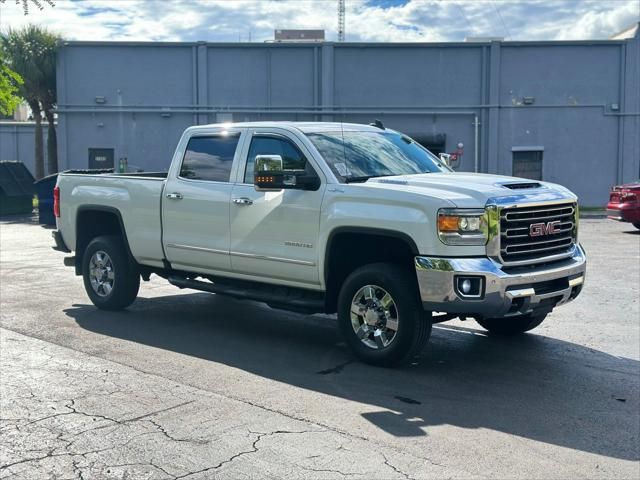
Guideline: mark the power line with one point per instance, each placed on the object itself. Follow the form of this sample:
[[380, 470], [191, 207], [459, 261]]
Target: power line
[[504, 25], [464, 15]]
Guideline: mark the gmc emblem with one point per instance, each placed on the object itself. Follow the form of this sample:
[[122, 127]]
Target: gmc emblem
[[540, 229]]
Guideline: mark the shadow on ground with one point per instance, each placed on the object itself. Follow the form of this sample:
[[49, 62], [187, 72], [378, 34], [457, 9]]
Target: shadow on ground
[[31, 218], [532, 386]]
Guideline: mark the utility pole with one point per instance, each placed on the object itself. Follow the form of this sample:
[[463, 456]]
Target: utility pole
[[341, 12]]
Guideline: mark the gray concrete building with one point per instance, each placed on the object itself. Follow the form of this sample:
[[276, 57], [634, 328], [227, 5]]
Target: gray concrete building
[[566, 112], [17, 142]]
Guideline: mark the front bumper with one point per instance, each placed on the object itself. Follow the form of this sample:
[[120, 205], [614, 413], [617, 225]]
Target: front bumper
[[505, 292], [623, 212]]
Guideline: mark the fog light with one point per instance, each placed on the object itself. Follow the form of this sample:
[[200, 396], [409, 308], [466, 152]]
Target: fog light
[[469, 287]]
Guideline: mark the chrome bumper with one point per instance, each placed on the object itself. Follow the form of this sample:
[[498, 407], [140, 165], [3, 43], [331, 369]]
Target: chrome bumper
[[505, 291]]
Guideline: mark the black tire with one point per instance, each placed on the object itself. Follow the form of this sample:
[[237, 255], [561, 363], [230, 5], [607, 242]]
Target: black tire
[[126, 277], [637, 225], [413, 323], [512, 325]]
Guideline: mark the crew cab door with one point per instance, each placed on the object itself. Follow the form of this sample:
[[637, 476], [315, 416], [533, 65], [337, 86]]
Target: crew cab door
[[195, 203], [274, 235]]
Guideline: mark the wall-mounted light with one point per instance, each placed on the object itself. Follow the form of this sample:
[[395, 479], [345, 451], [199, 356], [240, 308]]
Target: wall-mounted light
[[528, 100], [614, 107], [101, 99]]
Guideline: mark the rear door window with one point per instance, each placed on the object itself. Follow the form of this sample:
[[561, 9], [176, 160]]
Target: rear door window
[[209, 157]]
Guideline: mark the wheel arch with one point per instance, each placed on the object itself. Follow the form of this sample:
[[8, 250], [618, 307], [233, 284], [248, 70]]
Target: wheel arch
[[348, 248], [96, 220]]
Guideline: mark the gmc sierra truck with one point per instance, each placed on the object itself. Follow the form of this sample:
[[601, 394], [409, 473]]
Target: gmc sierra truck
[[351, 219]]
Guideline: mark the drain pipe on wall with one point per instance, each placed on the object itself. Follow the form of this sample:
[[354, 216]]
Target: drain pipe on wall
[[475, 143]]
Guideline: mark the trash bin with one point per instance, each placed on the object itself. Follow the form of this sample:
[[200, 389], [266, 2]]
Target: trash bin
[[16, 188], [44, 190]]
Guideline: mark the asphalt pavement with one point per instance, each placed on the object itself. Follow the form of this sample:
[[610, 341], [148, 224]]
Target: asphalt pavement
[[191, 385]]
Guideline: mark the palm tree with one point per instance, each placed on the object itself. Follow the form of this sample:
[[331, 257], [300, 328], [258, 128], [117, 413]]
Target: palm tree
[[32, 52], [48, 97], [37, 3], [9, 82]]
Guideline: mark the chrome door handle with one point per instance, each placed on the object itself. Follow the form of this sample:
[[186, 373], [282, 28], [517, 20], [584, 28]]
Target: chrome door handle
[[174, 196], [243, 201]]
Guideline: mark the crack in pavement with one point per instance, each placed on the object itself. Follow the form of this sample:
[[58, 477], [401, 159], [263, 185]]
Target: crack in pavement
[[254, 449], [164, 432], [73, 408], [396, 469]]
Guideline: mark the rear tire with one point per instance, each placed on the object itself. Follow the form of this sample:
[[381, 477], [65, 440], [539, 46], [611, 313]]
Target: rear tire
[[380, 315], [111, 278], [512, 325]]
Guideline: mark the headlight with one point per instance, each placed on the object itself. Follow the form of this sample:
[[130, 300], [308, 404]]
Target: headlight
[[462, 226]]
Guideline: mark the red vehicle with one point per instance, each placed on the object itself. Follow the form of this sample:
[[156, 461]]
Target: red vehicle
[[624, 203]]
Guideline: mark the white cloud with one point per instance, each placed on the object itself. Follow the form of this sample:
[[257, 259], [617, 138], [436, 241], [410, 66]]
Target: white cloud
[[366, 20]]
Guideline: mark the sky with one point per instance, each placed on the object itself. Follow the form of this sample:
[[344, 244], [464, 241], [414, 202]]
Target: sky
[[366, 20]]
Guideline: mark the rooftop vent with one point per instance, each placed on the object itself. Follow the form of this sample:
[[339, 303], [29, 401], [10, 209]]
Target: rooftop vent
[[298, 36]]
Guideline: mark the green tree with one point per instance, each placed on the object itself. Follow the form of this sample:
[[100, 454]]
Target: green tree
[[9, 83], [31, 52]]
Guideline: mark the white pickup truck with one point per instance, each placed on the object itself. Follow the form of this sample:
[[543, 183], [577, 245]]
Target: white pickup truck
[[351, 219]]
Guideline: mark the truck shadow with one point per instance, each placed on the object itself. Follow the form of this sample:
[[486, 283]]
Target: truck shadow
[[534, 387]]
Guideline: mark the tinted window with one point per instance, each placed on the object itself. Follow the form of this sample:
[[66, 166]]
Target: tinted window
[[209, 158], [292, 158]]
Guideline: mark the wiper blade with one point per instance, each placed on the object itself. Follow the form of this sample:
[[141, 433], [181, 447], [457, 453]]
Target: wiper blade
[[363, 178]]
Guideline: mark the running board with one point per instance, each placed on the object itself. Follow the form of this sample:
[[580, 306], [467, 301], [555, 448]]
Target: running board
[[285, 298]]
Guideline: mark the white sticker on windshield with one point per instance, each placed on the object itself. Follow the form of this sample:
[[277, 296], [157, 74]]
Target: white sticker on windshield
[[342, 169]]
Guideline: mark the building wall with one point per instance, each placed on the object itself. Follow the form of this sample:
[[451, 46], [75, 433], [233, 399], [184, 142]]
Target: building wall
[[137, 98], [17, 142]]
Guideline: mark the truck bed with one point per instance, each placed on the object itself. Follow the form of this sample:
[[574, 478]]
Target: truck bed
[[110, 172], [135, 196]]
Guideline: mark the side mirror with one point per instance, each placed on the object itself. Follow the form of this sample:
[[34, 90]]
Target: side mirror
[[269, 175], [446, 159]]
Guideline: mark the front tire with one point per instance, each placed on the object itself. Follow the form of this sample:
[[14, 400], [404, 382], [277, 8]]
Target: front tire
[[111, 279], [512, 325], [380, 315]]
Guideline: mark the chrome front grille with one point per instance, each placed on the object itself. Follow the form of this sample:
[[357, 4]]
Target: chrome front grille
[[537, 234]]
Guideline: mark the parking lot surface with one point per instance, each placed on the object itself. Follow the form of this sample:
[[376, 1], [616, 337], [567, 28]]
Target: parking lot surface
[[192, 385]]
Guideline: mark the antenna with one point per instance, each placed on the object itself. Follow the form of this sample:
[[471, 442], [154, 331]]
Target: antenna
[[341, 14]]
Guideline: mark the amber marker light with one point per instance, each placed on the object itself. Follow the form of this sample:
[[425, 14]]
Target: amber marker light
[[448, 223]]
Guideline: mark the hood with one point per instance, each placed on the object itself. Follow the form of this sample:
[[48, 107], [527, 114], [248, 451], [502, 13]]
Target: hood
[[628, 186], [473, 190]]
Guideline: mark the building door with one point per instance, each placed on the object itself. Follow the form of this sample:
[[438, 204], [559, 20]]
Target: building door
[[435, 148], [100, 158], [435, 143], [527, 164]]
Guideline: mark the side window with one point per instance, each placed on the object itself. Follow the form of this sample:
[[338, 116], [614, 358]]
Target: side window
[[292, 158], [209, 158]]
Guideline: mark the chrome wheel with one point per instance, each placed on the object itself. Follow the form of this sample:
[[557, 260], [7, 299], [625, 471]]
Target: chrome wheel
[[374, 316], [101, 273]]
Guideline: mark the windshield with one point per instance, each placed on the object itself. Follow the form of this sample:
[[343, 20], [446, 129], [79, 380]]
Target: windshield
[[359, 155]]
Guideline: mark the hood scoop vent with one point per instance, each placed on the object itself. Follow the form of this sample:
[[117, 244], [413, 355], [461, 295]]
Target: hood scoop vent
[[521, 185]]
